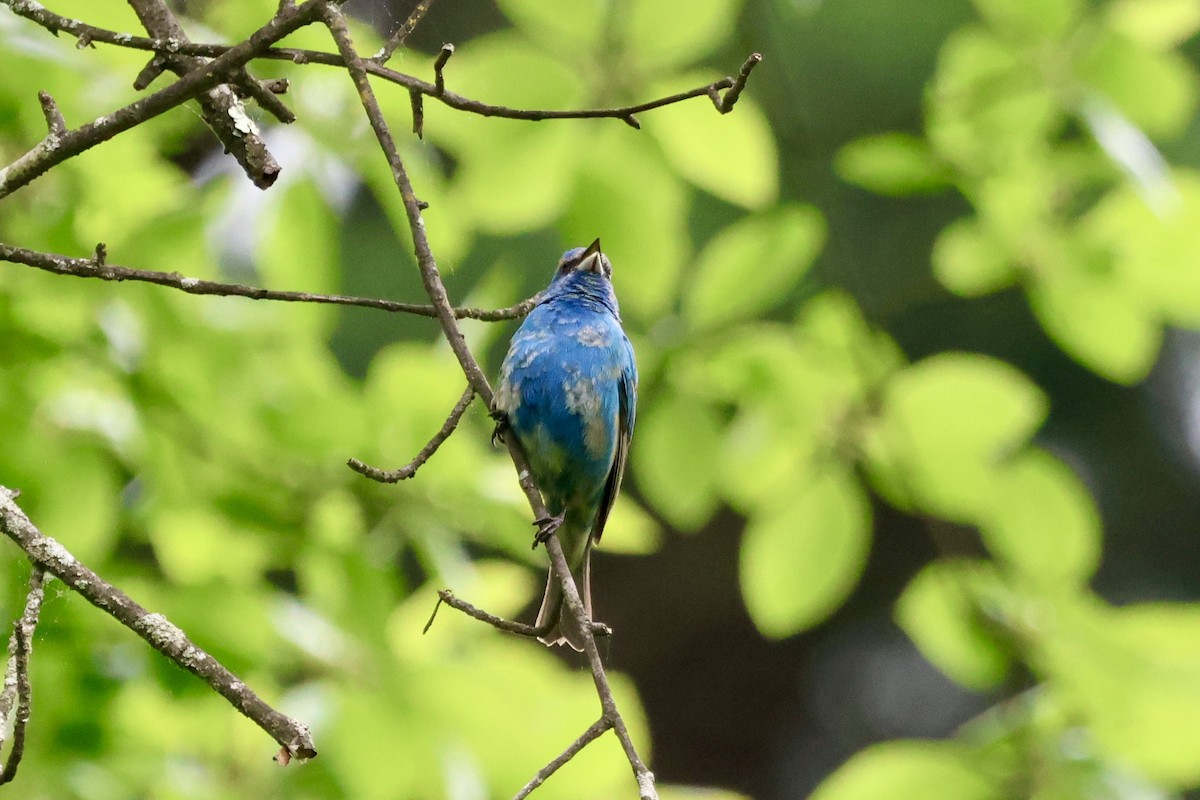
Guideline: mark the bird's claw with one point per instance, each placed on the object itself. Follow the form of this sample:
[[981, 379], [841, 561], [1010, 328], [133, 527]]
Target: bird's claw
[[502, 426], [547, 527]]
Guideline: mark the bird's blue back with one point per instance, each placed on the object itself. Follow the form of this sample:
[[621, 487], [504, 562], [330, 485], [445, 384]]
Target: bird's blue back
[[568, 386]]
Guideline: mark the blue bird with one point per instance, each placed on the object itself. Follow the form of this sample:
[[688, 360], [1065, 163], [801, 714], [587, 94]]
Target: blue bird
[[568, 392]]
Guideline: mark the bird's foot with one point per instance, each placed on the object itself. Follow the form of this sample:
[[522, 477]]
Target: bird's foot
[[502, 426], [547, 527]]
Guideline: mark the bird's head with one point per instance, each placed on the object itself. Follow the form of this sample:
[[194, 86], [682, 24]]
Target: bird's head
[[581, 261]]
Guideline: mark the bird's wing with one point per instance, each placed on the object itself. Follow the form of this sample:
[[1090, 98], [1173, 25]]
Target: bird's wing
[[627, 397]]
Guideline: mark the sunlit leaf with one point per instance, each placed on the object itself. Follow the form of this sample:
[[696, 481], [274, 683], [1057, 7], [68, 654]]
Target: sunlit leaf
[[562, 27], [941, 613], [1048, 18], [1156, 90], [801, 561], [732, 155], [902, 770], [1092, 316], [891, 163], [1155, 23], [969, 262], [1042, 521], [753, 264], [672, 33], [946, 421], [676, 460], [1133, 674]]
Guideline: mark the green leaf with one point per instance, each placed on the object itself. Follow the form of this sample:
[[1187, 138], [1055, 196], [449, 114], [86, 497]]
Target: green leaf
[[627, 195], [801, 561], [895, 164], [1042, 522], [299, 248], [1155, 23], [1132, 675], [676, 458], [560, 27], [943, 425], [195, 546], [939, 610], [753, 264], [671, 33], [905, 770], [1019, 18], [731, 155], [493, 184], [1155, 90], [496, 159], [1091, 314], [969, 262], [986, 113], [1154, 246]]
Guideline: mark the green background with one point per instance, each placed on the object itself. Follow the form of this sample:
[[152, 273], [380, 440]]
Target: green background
[[915, 486]]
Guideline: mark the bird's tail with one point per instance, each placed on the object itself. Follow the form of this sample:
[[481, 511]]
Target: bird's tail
[[553, 611]]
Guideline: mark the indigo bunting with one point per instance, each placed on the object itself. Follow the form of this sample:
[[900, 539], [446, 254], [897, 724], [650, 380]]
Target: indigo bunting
[[568, 391]]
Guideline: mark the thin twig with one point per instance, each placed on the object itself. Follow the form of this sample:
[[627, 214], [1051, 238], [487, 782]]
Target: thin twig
[[55, 124], [163, 635], [54, 23], [55, 150], [596, 730], [220, 108], [449, 598], [500, 623], [439, 64], [403, 32], [431, 278], [410, 469], [16, 677], [96, 267], [725, 104]]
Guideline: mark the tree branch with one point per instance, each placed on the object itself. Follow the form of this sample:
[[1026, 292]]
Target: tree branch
[[594, 732], [157, 630], [53, 149], [402, 33], [410, 469], [54, 23], [220, 108], [96, 267], [16, 677], [434, 287]]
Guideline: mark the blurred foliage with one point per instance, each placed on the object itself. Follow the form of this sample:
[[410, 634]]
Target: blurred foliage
[[192, 449]]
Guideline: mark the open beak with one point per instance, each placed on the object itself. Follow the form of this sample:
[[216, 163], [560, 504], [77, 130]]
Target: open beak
[[590, 260]]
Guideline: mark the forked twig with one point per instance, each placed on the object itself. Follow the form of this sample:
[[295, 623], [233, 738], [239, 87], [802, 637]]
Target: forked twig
[[47, 554], [16, 676], [410, 469]]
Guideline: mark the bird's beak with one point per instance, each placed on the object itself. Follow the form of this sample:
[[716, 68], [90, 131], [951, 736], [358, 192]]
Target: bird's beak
[[590, 260]]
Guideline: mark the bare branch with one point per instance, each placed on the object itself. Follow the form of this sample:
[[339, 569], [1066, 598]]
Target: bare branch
[[156, 629], [220, 108], [410, 469], [55, 124], [436, 290], [500, 623], [54, 150], [96, 267], [587, 737], [16, 677], [725, 104], [626, 114], [439, 64], [402, 33]]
